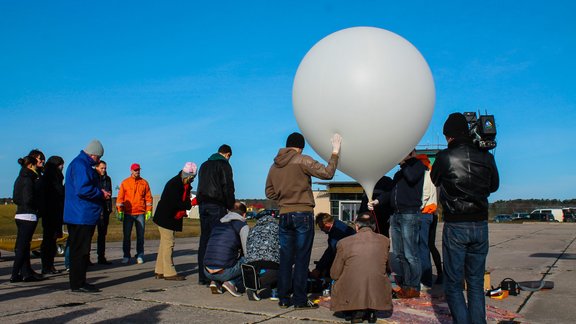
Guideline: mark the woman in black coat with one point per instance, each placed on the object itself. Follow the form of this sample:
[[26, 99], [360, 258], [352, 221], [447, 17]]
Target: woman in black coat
[[171, 209], [26, 198], [51, 210]]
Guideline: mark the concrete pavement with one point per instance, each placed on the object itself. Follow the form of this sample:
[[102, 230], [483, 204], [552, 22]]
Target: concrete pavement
[[131, 294]]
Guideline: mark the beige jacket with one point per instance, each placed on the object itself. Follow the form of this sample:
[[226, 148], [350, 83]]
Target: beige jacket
[[360, 273], [289, 180]]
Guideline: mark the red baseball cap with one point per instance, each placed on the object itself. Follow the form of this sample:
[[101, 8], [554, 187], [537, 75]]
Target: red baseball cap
[[134, 167]]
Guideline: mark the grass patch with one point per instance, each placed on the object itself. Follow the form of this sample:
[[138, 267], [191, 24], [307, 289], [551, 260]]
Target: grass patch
[[190, 228]]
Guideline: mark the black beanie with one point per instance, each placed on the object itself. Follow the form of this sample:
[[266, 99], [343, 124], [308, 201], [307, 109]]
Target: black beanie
[[456, 126], [295, 140]]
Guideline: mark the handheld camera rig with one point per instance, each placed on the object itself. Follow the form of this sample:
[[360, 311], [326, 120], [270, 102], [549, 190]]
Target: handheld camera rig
[[482, 130]]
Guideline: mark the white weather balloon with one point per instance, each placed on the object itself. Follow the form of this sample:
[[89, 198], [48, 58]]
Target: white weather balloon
[[374, 88]]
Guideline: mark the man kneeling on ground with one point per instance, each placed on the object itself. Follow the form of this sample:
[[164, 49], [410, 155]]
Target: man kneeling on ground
[[362, 286], [225, 251], [336, 231]]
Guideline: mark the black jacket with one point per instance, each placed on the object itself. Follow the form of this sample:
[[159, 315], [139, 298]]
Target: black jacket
[[465, 176], [215, 182], [406, 194], [106, 184], [171, 203], [26, 193], [51, 206]]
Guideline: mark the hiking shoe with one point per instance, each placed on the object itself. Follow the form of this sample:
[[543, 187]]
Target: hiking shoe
[[308, 305], [125, 260], [139, 260], [252, 295], [231, 288], [216, 288]]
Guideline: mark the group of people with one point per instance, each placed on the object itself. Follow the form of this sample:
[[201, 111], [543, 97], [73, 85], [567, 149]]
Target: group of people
[[278, 250], [83, 201]]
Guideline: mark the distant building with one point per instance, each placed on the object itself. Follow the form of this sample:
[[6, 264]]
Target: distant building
[[345, 196]]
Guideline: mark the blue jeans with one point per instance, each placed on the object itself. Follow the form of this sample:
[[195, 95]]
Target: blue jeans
[[425, 262], [129, 220], [232, 274], [296, 232], [464, 249], [405, 230]]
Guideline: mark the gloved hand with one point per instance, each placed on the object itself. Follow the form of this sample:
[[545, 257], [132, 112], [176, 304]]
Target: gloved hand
[[148, 215], [336, 141], [372, 203], [120, 216]]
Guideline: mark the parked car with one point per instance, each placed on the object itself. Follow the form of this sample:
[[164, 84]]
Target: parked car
[[251, 214], [520, 216], [569, 218], [273, 212], [502, 218], [557, 213], [542, 217]]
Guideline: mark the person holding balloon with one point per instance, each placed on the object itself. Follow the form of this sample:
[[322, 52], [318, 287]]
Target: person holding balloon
[[406, 199], [289, 183]]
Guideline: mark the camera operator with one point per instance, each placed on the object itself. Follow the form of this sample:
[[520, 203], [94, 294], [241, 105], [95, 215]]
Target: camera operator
[[465, 175]]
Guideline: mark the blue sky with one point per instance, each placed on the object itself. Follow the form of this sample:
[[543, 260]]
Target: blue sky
[[165, 82]]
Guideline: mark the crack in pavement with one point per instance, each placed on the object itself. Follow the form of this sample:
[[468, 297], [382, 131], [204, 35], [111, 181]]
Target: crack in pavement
[[546, 274]]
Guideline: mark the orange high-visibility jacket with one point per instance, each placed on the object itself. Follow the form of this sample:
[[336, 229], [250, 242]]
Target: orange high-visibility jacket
[[134, 197]]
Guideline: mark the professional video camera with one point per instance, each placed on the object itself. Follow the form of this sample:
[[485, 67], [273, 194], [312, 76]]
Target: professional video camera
[[482, 130]]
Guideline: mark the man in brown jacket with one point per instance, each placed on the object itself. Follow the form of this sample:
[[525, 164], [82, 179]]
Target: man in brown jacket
[[361, 284], [289, 184]]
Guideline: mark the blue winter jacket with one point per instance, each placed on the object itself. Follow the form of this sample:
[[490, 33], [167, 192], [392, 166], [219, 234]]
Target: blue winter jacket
[[83, 197]]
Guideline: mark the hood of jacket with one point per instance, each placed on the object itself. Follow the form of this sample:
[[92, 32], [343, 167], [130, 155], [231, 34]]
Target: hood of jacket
[[285, 155], [231, 216], [216, 156]]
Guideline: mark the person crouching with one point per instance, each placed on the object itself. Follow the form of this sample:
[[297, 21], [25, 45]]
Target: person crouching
[[361, 285], [225, 251]]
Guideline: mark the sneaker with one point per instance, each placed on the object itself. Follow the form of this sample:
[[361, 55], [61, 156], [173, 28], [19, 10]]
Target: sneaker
[[308, 305], [231, 288], [252, 295], [125, 260], [216, 288], [139, 260], [274, 295]]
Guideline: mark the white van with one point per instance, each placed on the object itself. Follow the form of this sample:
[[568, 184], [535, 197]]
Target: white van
[[557, 213]]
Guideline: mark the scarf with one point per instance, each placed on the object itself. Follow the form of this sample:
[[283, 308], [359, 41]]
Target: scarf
[[182, 213]]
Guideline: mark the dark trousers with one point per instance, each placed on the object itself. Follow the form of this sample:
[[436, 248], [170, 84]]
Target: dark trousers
[[48, 248], [210, 215], [102, 231], [80, 237], [432, 245], [22, 265], [296, 233]]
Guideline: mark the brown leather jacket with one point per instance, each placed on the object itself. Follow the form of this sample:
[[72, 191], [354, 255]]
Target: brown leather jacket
[[289, 180]]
